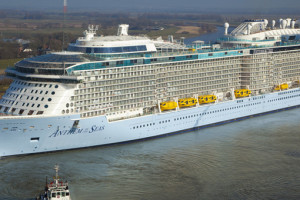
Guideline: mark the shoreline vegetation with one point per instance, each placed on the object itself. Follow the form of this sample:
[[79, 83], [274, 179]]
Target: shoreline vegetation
[[5, 82], [43, 31]]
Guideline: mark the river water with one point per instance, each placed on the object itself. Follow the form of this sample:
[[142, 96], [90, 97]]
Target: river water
[[209, 37], [257, 158]]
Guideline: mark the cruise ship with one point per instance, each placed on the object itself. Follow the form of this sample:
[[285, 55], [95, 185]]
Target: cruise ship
[[114, 89]]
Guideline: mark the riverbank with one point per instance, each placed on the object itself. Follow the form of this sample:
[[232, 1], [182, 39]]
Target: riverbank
[[4, 63]]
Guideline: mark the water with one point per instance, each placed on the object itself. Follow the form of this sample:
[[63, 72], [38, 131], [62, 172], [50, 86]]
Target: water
[[258, 158], [209, 37]]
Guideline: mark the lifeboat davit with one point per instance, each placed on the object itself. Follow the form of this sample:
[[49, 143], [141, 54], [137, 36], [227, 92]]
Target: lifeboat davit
[[168, 105], [242, 93], [207, 99], [187, 102]]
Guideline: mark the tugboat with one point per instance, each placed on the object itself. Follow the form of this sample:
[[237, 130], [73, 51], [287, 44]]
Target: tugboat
[[55, 190]]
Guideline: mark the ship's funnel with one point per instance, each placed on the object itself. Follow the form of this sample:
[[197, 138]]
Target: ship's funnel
[[170, 38], [288, 22], [226, 26], [280, 23], [273, 24], [266, 23], [284, 24], [123, 29], [293, 24], [249, 29], [182, 40]]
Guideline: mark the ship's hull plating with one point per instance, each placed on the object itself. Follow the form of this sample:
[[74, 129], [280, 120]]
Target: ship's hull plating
[[36, 135]]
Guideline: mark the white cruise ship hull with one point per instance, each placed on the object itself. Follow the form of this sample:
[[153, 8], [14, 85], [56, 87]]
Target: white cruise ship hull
[[28, 135]]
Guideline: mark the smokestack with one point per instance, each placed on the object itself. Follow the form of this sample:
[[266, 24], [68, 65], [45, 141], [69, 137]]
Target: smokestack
[[65, 6], [226, 26]]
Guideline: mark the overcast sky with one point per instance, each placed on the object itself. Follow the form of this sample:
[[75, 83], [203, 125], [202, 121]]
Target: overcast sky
[[207, 6]]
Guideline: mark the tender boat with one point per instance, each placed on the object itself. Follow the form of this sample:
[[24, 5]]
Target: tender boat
[[242, 93], [207, 99], [187, 102], [168, 105], [283, 86]]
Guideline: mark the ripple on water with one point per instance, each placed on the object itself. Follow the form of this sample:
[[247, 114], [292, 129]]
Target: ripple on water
[[256, 158]]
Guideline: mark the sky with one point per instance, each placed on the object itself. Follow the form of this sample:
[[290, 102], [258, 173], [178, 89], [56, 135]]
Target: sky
[[200, 6]]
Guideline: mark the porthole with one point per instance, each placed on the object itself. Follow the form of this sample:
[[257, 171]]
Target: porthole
[[46, 106], [42, 99], [67, 111], [49, 99], [63, 111], [56, 86], [53, 93], [67, 105], [71, 104]]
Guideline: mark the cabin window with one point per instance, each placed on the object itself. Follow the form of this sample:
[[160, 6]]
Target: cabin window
[[40, 112], [53, 195], [6, 108], [34, 139], [30, 112], [292, 37]]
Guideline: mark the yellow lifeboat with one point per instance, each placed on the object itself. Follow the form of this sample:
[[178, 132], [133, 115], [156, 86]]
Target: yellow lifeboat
[[207, 99], [168, 105], [242, 93], [283, 86], [187, 102]]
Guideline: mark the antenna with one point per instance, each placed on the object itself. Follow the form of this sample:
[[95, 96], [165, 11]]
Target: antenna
[[65, 11], [56, 175]]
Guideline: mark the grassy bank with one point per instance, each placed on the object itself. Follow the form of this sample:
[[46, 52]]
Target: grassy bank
[[4, 84], [6, 63]]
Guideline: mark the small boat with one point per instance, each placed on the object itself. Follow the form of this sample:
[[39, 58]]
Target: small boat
[[55, 190], [168, 105], [207, 99], [242, 93], [187, 102], [283, 86]]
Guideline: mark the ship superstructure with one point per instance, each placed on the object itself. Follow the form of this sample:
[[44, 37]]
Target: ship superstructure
[[109, 89]]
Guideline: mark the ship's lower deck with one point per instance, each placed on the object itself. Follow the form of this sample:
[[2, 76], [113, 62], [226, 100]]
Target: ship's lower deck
[[36, 135]]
